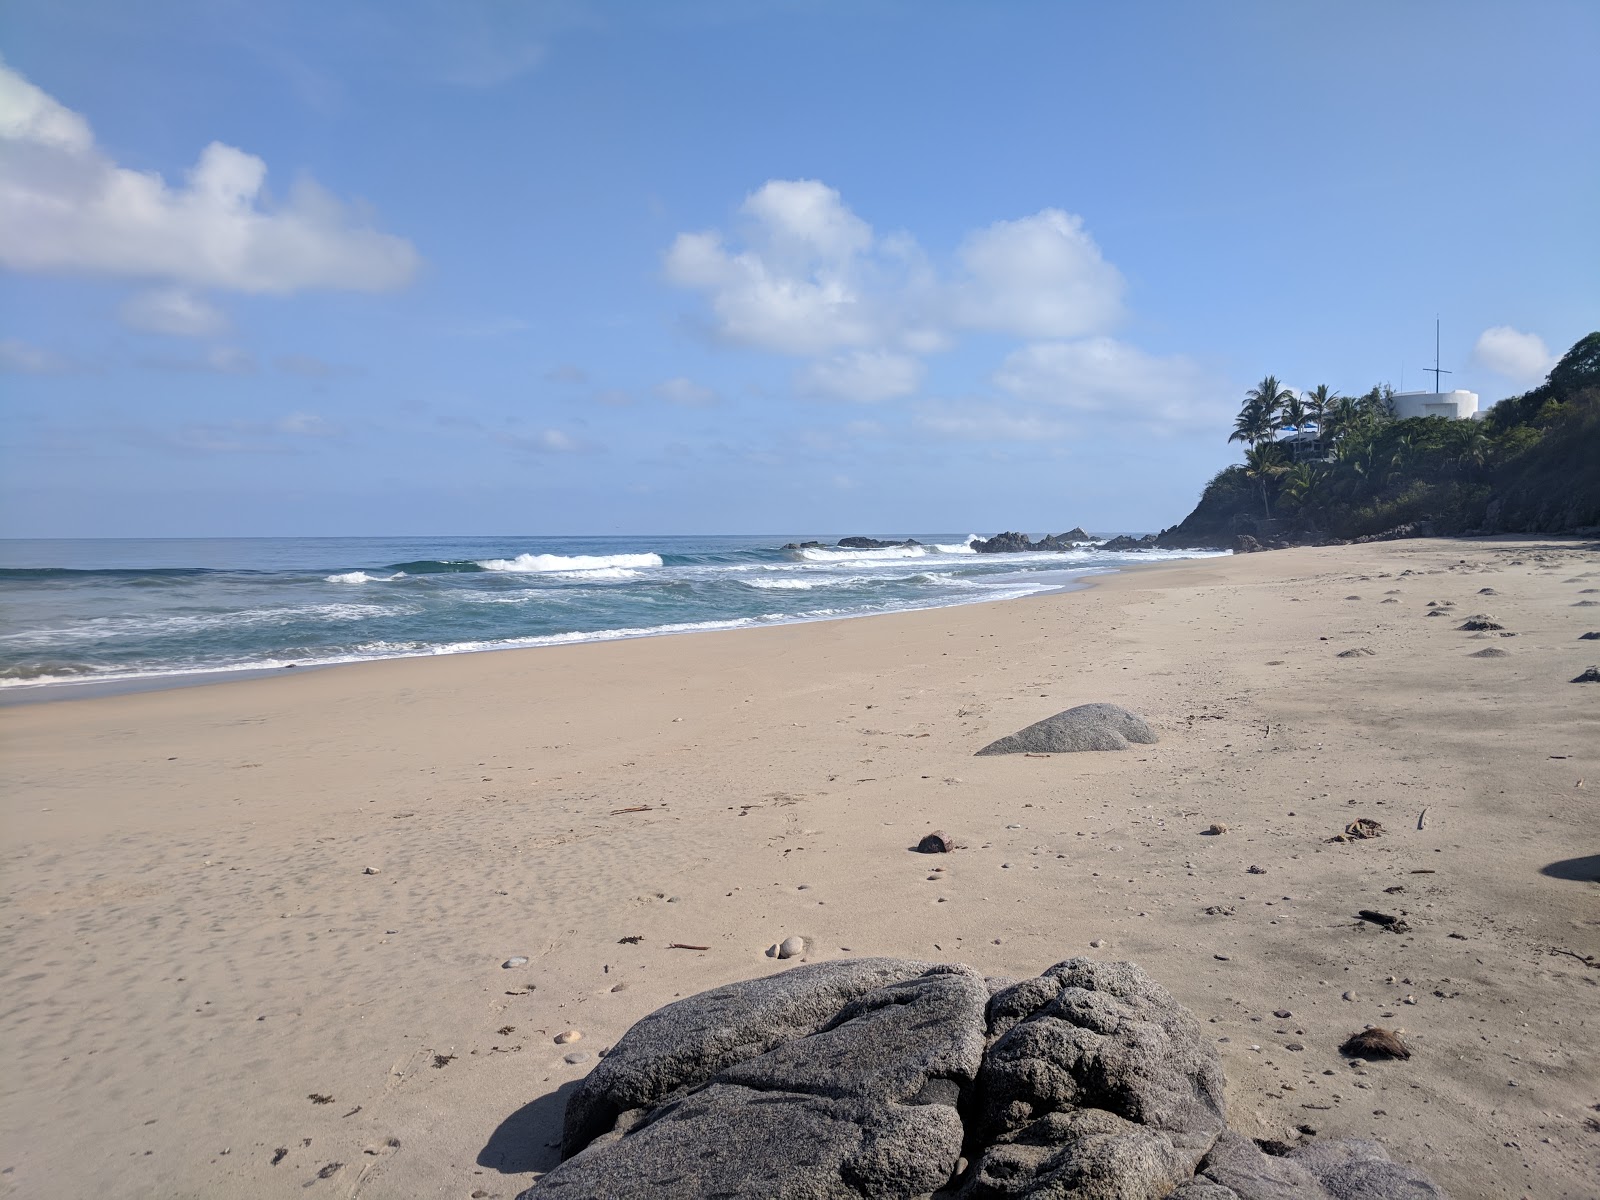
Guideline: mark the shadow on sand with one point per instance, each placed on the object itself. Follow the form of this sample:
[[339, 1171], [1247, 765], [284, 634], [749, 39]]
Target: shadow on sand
[[530, 1138], [1583, 870]]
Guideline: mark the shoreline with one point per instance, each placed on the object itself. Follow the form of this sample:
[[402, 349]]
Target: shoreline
[[57, 690], [226, 902]]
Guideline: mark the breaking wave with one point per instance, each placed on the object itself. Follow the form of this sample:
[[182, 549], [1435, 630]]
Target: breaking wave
[[553, 563]]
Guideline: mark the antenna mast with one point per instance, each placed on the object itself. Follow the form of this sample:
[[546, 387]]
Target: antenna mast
[[1434, 370]]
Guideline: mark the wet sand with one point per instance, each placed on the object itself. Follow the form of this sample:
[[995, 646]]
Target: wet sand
[[254, 931]]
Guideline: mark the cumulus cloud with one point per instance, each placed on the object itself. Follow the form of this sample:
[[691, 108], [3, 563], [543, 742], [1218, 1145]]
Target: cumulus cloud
[[65, 206], [1106, 376], [685, 391], [800, 274], [1522, 357], [1040, 277], [28, 359], [865, 375], [173, 311]]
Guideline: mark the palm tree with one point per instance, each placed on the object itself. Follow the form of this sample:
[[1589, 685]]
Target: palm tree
[[1267, 398], [1295, 413], [1318, 401], [1261, 463], [1253, 425], [1342, 416]]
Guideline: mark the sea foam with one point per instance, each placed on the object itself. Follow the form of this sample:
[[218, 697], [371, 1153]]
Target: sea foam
[[812, 554], [552, 563], [362, 577]]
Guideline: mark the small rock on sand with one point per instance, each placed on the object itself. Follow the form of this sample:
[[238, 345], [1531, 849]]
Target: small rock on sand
[[1098, 943], [1217, 829], [1086, 727], [1490, 652], [791, 947], [568, 1037], [1592, 675], [576, 1057], [937, 842], [369, 870], [516, 960], [1591, 636], [1358, 652]]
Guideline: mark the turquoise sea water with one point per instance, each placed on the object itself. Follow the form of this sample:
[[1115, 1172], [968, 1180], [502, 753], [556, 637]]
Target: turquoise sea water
[[82, 611]]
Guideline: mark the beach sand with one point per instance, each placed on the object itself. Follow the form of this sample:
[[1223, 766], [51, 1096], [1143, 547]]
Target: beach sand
[[253, 932]]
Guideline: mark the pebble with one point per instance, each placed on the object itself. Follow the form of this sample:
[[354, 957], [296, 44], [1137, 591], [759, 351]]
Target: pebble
[[576, 1057], [1217, 828], [570, 1035], [1283, 1014], [1098, 943], [791, 947], [516, 960], [1351, 996], [369, 870], [1255, 870]]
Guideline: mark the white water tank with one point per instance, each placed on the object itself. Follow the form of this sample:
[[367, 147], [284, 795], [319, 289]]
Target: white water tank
[[1456, 406]]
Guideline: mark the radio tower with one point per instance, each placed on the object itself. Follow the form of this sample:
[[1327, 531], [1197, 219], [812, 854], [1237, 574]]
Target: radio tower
[[1434, 370]]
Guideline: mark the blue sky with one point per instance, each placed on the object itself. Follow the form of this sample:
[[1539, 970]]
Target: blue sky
[[469, 267]]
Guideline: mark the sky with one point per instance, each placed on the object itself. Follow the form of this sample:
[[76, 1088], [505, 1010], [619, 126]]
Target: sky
[[481, 266]]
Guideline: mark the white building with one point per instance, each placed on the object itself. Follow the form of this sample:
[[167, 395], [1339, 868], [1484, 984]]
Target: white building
[[1456, 406]]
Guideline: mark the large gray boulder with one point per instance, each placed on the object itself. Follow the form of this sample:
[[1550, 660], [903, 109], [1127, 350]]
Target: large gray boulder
[[686, 1044], [856, 1101], [1087, 727], [1351, 1169], [872, 1077], [1095, 1076]]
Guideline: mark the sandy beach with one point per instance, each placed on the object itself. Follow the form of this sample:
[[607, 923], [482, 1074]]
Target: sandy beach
[[254, 932]]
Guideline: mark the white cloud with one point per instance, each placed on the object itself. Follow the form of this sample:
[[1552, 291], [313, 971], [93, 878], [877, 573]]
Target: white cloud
[[808, 276], [1105, 376], [867, 375], [796, 286], [987, 422], [221, 360], [28, 359], [544, 441], [1039, 277], [174, 311], [303, 424], [1519, 356], [684, 391], [65, 206], [803, 275]]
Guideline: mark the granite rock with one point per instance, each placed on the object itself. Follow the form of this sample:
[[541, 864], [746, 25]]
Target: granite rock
[[1086, 727]]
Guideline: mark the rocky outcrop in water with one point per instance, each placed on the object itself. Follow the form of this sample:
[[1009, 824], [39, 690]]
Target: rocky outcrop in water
[[1012, 542], [890, 1079]]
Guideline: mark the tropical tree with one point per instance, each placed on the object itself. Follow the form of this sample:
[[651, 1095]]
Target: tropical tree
[[1253, 425], [1294, 413], [1267, 399], [1263, 462], [1318, 401]]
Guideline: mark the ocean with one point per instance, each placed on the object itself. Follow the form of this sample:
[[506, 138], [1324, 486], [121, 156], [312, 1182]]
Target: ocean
[[139, 612]]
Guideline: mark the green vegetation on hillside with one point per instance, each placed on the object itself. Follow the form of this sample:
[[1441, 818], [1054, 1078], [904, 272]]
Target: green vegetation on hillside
[[1530, 464]]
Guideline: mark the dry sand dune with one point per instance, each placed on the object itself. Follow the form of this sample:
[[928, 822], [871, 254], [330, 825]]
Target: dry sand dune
[[253, 932]]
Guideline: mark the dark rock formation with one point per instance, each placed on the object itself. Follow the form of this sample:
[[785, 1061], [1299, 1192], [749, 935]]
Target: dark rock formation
[[804, 546], [870, 1078], [866, 543], [1018, 543], [1087, 727], [1003, 543], [1123, 542]]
